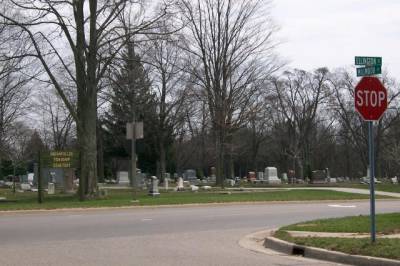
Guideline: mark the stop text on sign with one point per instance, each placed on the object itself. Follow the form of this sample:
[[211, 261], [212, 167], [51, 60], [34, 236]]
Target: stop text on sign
[[370, 98]]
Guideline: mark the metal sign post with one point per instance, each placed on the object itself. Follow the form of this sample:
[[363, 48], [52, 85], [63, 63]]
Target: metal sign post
[[134, 131], [372, 178]]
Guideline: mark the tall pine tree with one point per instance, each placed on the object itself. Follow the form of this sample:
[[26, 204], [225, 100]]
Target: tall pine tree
[[130, 91]]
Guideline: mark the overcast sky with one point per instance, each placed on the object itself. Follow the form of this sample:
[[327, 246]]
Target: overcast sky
[[330, 33]]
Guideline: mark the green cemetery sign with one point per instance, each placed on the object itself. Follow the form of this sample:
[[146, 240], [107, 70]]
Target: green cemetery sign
[[59, 159]]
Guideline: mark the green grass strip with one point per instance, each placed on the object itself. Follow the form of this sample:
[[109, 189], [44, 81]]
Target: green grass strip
[[117, 198], [385, 224]]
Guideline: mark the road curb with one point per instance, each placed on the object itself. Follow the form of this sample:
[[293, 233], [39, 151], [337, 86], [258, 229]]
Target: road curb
[[211, 204], [327, 255]]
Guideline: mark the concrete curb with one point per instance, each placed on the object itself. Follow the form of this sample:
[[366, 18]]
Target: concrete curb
[[216, 204], [327, 255]]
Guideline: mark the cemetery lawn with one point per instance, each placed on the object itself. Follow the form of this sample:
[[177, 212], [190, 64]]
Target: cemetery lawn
[[119, 198], [384, 247]]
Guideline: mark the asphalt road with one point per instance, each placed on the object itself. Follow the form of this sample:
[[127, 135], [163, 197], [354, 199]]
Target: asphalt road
[[195, 235]]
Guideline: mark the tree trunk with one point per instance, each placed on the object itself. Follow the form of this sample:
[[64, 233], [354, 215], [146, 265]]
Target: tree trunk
[[220, 153], [87, 126]]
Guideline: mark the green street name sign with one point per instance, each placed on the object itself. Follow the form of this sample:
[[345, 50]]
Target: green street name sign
[[368, 61], [369, 71]]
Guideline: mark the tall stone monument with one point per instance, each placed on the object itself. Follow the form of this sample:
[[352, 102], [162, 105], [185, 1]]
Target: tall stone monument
[[271, 175]]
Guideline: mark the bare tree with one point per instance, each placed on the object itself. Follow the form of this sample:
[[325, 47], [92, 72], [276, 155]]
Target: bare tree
[[15, 75], [230, 45], [83, 38], [300, 95], [58, 124], [165, 62]]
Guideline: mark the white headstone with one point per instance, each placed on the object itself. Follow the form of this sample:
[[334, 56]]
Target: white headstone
[[154, 187], [180, 184], [194, 188], [166, 180], [260, 175], [51, 188], [123, 178], [284, 177], [25, 186], [271, 175], [30, 177]]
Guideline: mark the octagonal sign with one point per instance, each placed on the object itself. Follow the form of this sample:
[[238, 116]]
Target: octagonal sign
[[370, 98]]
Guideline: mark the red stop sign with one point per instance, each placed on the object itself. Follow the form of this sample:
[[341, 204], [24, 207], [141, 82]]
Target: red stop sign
[[370, 98]]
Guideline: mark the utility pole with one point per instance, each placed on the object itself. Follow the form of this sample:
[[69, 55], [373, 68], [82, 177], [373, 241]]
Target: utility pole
[[131, 58], [134, 157]]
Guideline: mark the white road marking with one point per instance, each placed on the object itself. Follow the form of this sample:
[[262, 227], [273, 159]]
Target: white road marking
[[146, 219], [342, 206]]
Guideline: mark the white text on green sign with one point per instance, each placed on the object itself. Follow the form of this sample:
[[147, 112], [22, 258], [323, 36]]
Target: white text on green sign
[[369, 71], [368, 61]]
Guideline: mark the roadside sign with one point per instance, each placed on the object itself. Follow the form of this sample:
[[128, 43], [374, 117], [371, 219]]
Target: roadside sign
[[370, 98], [59, 159], [368, 61], [138, 133], [369, 71]]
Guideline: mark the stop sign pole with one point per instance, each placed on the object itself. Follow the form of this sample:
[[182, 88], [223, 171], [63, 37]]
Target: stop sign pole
[[370, 100]]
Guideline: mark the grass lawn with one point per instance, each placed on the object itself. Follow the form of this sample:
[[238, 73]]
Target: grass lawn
[[386, 248], [28, 200], [386, 224]]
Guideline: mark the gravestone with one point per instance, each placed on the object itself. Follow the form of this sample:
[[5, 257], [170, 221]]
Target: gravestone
[[189, 175], [213, 176], [180, 186], [212, 179], [30, 177], [319, 177], [123, 178], [25, 186], [166, 180], [51, 189], [231, 182], [271, 175], [154, 187], [332, 180], [251, 176], [194, 188], [292, 176], [167, 175], [260, 175], [284, 177]]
